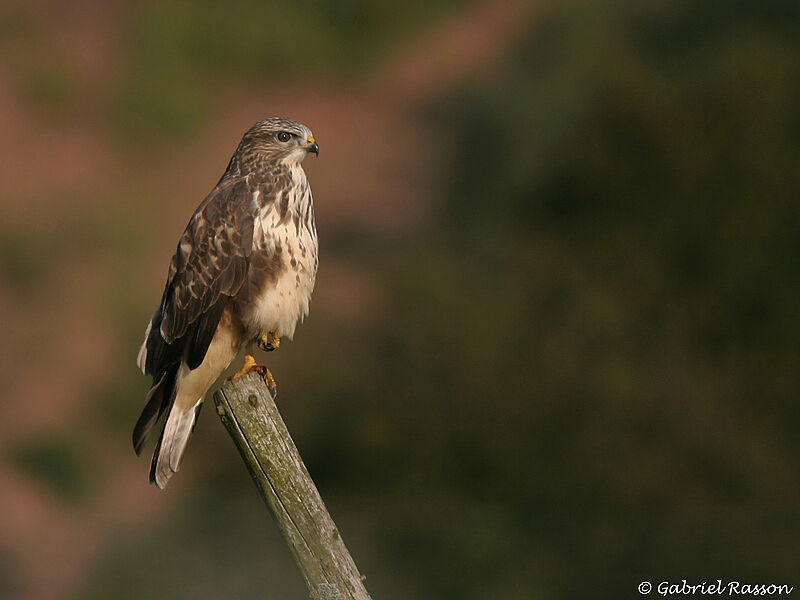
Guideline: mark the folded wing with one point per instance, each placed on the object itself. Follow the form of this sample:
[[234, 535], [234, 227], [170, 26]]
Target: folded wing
[[209, 266]]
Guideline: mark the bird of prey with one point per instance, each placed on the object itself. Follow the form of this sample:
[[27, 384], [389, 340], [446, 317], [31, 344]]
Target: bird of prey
[[242, 274]]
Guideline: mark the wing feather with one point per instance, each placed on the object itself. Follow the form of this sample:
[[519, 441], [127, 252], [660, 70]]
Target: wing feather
[[209, 266], [204, 333]]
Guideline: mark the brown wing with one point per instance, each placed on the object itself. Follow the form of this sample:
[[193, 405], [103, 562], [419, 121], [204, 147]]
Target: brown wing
[[209, 266]]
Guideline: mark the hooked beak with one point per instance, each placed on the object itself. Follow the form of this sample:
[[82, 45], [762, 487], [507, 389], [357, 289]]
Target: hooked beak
[[312, 146]]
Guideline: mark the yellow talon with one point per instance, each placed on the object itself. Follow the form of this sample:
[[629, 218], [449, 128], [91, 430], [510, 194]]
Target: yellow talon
[[266, 344], [249, 363], [272, 385]]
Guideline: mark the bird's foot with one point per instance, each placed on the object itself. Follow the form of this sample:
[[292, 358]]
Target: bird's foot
[[269, 379], [270, 344], [263, 371], [272, 385], [249, 365]]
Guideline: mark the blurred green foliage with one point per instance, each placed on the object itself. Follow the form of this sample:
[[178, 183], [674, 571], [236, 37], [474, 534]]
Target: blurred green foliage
[[50, 89], [57, 462], [181, 53], [620, 258], [21, 264], [15, 23], [214, 547]]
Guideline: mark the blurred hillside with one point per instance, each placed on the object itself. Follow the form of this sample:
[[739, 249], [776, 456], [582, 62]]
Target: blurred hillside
[[552, 350]]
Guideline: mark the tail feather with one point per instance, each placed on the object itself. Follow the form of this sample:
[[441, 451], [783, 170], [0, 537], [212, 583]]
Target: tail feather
[[181, 379], [141, 359], [158, 400], [172, 443]]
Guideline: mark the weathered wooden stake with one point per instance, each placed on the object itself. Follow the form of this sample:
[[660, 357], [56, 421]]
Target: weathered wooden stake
[[248, 412]]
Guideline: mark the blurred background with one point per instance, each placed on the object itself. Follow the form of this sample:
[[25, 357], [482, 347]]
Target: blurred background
[[553, 348]]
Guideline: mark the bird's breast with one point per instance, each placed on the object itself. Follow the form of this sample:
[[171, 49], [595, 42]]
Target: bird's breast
[[283, 263]]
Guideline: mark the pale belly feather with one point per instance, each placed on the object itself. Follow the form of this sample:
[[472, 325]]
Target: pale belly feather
[[283, 303]]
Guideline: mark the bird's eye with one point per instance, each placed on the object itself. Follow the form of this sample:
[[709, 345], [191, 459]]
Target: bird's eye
[[284, 136]]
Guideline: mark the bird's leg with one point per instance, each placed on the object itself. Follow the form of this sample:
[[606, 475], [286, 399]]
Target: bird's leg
[[249, 362], [250, 365], [269, 345]]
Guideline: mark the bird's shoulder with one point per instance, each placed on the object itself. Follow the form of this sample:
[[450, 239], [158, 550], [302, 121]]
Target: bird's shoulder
[[222, 226], [218, 224], [212, 252]]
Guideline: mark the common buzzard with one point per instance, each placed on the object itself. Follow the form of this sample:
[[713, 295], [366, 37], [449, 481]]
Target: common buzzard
[[242, 273]]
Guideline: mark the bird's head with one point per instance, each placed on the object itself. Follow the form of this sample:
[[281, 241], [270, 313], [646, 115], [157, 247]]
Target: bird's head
[[281, 139]]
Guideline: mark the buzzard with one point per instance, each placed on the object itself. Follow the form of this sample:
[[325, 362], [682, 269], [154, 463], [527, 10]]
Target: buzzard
[[242, 274]]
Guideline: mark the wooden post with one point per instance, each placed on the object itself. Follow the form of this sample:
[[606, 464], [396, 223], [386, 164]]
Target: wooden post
[[248, 412]]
